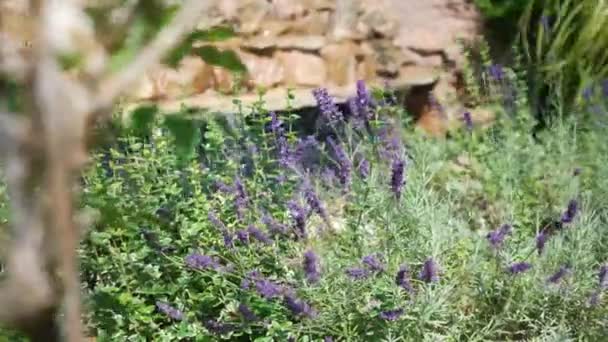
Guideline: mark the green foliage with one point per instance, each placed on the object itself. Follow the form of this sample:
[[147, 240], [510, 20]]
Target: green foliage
[[155, 207], [566, 50]]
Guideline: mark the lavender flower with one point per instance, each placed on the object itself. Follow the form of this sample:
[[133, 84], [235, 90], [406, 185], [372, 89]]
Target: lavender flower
[[268, 289], [403, 279], [311, 266], [201, 262], [344, 164], [541, 240], [497, 237], [362, 103], [468, 120], [326, 104], [215, 221], [274, 227], [373, 263], [430, 271], [357, 273], [496, 72], [299, 216], [307, 152], [570, 213], [222, 187], [216, 327], [577, 172], [276, 125], [588, 93], [603, 276], [391, 144], [328, 175], [228, 241], [595, 298], [519, 267], [391, 315], [328, 339], [243, 236], [246, 312], [258, 234], [397, 181], [170, 311], [364, 168], [298, 307], [240, 198], [605, 88], [314, 202], [557, 276], [251, 276]]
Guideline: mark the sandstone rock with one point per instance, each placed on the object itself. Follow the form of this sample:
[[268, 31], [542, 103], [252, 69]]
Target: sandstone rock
[[341, 63], [345, 20], [289, 9], [366, 69], [417, 75], [264, 71], [302, 68], [275, 27], [298, 42], [251, 14], [315, 23], [378, 21]]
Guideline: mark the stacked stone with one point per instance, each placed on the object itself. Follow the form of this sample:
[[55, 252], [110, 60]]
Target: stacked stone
[[301, 44]]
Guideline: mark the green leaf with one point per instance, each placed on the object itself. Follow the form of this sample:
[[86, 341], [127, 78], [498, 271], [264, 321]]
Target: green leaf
[[184, 131], [142, 119], [214, 34], [226, 59]]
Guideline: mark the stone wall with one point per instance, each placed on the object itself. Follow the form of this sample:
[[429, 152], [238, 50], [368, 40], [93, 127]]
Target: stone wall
[[304, 44]]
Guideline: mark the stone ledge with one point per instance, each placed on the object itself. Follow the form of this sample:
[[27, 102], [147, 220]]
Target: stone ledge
[[276, 99]]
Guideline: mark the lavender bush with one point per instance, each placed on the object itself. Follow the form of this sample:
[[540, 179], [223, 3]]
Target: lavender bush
[[310, 242]]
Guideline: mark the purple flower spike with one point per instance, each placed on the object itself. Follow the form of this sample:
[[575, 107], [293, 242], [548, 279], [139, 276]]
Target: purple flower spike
[[373, 262], [299, 307], [170, 311], [228, 240], [258, 234], [570, 213], [268, 289], [557, 276], [243, 236], [541, 240], [314, 202], [240, 199], [364, 168], [299, 216], [430, 271], [328, 339], [275, 228], [391, 315], [216, 327], [201, 262], [519, 267], [215, 221], [397, 180], [603, 276], [357, 273], [577, 172], [403, 279], [344, 164], [327, 106], [496, 72], [311, 266], [246, 312], [468, 120], [497, 237]]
